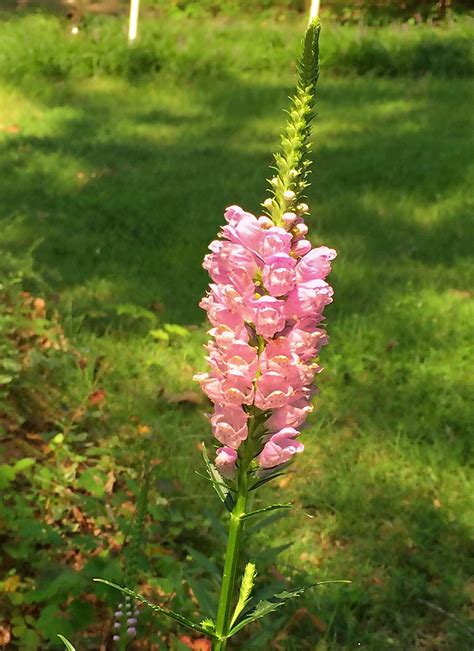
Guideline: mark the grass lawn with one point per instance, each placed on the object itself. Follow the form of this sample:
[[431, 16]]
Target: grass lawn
[[125, 185]]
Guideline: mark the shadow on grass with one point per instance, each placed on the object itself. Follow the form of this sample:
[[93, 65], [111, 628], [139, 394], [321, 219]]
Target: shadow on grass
[[127, 198]]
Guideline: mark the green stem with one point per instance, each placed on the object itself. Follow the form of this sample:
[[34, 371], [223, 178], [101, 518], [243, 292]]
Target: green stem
[[231, 560]]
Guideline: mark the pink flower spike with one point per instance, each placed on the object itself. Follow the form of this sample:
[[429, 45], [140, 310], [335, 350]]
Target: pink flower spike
[[280, 448], [226, 458]]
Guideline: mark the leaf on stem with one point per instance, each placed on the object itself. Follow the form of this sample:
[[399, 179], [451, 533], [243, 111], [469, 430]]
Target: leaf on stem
[[159, 609], [246, 587], [217, 482], [266, 509], [267, 606], [66, 643]]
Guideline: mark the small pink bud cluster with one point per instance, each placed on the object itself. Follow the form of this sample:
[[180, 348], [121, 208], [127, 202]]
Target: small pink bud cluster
[[265, 305], [125, 620]]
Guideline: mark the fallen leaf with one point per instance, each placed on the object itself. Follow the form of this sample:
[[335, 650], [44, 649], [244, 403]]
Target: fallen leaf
[[97, 397], [11, 584], [109, 484], [5, 635]]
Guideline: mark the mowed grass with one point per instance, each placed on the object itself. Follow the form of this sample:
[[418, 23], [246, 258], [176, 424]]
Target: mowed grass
[[125, 185]]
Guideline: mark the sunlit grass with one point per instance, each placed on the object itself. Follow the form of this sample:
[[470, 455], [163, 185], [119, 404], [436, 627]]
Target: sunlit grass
[[126, 185]]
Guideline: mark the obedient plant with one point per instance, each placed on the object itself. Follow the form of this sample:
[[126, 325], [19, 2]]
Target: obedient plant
[[265, 305]]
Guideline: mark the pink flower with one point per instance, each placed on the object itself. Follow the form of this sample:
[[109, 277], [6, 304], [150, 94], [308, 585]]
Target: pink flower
[[279, 275], [229, 425], [237, 389], [224, 306], [307, 299], [315, 264], [275, 240], [301, 247], [272, 391], [267, 315], [278, 356], [225, 335], [231, 263], [280, 448], [237, 356], [306, 344], [244, 229], [211, 385], [292, 415], [225, 461]]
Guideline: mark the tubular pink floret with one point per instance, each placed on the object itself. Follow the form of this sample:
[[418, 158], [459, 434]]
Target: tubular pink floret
[[265, 303]]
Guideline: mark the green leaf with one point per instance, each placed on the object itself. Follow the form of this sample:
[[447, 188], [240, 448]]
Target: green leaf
[[267, 606], [92, 482], [23, 464], [66, 643], [158, 609], [217, 482], [135, 311], [176, 330], [246, 587], [209, 625], [159, 335], [7, 475], [266, 509]]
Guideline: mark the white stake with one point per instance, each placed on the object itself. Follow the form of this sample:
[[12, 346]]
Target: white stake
[[314, 10], [133, 24]]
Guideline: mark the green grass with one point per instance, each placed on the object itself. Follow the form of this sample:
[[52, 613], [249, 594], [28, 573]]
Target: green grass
[[125, 185], [39, 45]]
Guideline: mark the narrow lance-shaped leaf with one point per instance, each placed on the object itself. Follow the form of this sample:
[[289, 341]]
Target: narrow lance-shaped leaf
[[267, 606], [246, 587], [266, 509], [158, 609], [66, 643]]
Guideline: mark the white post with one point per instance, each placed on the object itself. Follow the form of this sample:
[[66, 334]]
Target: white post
[[314, 10], [133, 23]]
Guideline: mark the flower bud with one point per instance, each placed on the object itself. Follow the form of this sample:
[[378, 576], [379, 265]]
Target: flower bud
[[274, 181], [289, 218], [132, 631], [117, 625], [302, 208], [293, 174], [301, 229], [289, 196], [132, 620], [118, 613], [268, 203], [116, 638], [265, 222]]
